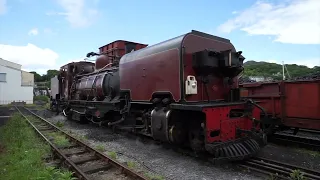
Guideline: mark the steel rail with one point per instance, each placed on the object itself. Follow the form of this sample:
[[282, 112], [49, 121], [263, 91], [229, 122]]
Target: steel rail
[[70, 164], [276, 168], [312, 131], [300, 141]]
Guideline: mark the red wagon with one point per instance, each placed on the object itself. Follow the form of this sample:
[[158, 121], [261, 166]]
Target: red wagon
[[294, 103]]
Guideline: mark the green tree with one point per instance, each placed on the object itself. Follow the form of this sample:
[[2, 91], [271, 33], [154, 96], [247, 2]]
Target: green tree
[[274, 70], [37, 77], [51, 73]]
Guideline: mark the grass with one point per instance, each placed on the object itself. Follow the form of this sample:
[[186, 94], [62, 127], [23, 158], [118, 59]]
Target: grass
[[131, 164], [313, 154], [273, 177], [297, 175], [30, 105], [112, 154], [100, 148], [22, 153], [59, 139], [32, 118], [59, 124], [41, 98], [154, 176], [44, 99]]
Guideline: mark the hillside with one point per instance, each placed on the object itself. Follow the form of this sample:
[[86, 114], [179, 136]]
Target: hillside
[[265, 69]]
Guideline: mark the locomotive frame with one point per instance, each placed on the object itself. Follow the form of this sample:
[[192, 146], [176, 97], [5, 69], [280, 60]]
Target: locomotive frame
[[172, 107]]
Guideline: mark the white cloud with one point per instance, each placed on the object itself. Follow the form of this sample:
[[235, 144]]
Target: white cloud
[[77, 12], [3, 6], [304, 62], [31, 57], [295, 22], [33, 32]]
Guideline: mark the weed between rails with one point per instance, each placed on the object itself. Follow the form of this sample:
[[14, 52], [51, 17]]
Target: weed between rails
[[23, 154], [59, 139]]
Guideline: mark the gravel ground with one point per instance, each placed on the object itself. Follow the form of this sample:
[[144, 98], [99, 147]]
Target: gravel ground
[[160, 160], [296, 156], [171, 164]]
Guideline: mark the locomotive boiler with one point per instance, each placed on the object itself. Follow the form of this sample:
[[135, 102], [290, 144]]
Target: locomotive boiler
[[182, 91], [98, 85]]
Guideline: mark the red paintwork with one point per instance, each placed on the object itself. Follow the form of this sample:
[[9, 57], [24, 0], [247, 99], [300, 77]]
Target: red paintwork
[[217, 119], [296, 103], [194, 43], [117, 48], [114, 50], [103, 61], [157, 72], [158, 66]]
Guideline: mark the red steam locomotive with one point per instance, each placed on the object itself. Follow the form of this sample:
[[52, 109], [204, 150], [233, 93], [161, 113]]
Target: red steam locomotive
[[182, 91]]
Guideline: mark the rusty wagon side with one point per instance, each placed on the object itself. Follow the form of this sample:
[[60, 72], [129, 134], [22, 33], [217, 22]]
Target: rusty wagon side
[[293, 103]]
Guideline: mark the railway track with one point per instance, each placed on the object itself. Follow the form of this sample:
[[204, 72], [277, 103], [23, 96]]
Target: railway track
[[262, 166], [295, 140], [278, 169], [86, 162], [312, 131]]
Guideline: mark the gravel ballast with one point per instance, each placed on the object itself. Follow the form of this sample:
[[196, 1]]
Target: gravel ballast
[[147, 156], [169, 163]]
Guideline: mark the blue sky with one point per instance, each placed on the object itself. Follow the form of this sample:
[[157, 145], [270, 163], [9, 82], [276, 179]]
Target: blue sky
[[43, 34]]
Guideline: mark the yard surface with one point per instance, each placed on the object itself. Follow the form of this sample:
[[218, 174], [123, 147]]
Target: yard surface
[[22, 153]]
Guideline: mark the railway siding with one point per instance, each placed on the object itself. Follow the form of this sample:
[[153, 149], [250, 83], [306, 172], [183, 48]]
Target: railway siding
[[279, 169], [86, 162], [265, 168]]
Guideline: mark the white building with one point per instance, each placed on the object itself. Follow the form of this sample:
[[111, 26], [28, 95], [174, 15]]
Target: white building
[[15, 84]]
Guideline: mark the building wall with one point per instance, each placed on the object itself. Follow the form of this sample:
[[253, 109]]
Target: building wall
[[9, 64], [27, 78], [11, 89], [54, 87]]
